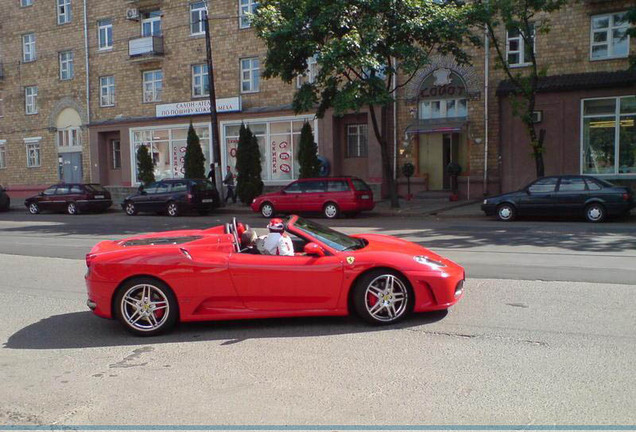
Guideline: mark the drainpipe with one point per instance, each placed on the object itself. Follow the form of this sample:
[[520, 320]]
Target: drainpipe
[[486, 79], [88, 90], [395, 120]]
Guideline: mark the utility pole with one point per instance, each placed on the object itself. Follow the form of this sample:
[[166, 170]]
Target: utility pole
[[216, 145]]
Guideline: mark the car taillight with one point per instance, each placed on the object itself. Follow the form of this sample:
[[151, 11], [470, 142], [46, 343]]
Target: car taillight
[[625, 197], [189, 197]]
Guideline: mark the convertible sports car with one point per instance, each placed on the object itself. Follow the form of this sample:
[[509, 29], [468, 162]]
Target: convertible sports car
[[150, 282]]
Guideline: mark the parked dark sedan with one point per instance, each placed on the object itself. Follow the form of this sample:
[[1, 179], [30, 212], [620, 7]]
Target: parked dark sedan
[[71, 198], [173, 197], [5, 201], [570, 195]]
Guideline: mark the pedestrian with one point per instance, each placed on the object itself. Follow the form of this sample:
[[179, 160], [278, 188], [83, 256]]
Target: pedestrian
[[211, 173], [229, 182]]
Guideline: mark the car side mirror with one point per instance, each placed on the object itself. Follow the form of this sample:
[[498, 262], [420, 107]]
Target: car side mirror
[[312, 249]]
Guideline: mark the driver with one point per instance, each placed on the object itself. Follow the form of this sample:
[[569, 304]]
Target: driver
[[278, 242]]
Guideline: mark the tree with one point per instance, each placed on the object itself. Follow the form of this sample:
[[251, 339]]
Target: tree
[[525, 18], [308, 154], [359, 47], [631, 17], [145, 166], [194, 160], [248, 166]]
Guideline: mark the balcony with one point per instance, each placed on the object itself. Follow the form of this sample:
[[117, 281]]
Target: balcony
[[145, 48]]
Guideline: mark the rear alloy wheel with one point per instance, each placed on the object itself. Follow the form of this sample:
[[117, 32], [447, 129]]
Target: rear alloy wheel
[[71, 208], [173, 209], [383, 297], [34, 208], [146, 307], [595, 213], [330, 210], [267, 210], [506, 212]]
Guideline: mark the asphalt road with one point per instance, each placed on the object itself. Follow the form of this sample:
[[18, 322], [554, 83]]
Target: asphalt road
[[538, 339]]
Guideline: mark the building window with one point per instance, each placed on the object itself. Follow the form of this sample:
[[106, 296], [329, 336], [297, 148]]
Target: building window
[[310, 74], [107, 91], [3, 154], [167, 147], [70, 137], [246, 8], [197, 18], [200, 81], [33, 152], [64, 11], [105, 34], [250, 75], [609, 38], [31, 99], [278, 142], [1, 104], [151, 24], [25, 3], [153, 85], [66, 65], [609, 136], [115, 151], [519, 53], [28, 47], [357, 138], [444, 108]]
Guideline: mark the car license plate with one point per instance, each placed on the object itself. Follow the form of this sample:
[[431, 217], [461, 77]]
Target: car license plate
[[207, 200], [365, 197], [99, 196]]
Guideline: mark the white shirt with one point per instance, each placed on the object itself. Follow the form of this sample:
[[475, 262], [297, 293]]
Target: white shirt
[[278, 244]]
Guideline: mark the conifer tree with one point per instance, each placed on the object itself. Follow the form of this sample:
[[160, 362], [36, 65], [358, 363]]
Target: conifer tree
[[194, 160], [308, 154], [145, 166], [248, 166]]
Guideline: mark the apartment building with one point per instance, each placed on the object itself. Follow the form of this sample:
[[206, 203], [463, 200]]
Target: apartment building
[[84, 83], [586, 104]]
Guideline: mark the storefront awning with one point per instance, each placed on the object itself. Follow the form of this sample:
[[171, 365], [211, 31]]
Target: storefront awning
[[436, 126]]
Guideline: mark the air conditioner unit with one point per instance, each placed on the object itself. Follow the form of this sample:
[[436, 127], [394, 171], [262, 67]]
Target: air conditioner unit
[[132, 14]]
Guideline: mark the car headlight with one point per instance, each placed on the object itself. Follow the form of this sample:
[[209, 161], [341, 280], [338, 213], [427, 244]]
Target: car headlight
[[485, 201], [427, 261]]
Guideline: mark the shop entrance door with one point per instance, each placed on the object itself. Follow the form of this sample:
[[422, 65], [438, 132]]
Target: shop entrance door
[[431, 159], [71, 167]]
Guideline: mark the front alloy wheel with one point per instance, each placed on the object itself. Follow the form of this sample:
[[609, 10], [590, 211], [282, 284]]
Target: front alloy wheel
[[505, 212], [267, 210], [146, 307], [34, 208], [383, 297], [130, 208]]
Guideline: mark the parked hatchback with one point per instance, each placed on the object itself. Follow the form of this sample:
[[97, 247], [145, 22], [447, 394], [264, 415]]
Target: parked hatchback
[[71, 198], [329, 196], [5, 202], [587, 196], [173, 197]]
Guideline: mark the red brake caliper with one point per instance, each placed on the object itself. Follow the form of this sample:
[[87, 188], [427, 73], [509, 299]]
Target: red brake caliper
[[371, 299]]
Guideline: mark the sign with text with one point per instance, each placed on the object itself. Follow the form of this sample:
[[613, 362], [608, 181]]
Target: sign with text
[[198, 107]]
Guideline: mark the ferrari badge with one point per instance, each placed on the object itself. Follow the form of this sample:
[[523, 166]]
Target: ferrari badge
[[351, 260]]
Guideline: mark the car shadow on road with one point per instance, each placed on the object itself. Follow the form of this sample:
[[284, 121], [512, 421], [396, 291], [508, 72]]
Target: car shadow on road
[[84, 330]]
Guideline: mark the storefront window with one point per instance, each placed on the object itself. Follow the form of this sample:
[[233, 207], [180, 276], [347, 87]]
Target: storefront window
[[278, 141], [168, 147], [609, 136]]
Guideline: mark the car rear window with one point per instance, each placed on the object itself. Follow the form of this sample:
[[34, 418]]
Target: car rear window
[[203, 185], [180, 187], [62, 190], [360, 185], [96, 188], [574, 184], [593, 185], [313, 186], [76, 189], [337, 186]]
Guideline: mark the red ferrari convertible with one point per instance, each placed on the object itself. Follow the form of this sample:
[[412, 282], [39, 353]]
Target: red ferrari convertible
[[150, 282]]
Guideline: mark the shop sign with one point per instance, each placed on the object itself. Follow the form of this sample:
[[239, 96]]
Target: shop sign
[[198, 107], [443, 83]]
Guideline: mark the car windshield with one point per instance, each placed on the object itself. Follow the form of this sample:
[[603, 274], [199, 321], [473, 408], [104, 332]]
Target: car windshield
[[331, 238]]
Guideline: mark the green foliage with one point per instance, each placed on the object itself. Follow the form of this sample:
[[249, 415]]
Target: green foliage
[[194, 160], [145, 166], [308, 154], [631, 17], [248, 166]]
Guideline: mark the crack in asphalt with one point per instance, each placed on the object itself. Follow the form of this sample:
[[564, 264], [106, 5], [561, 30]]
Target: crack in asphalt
[[477, 336]]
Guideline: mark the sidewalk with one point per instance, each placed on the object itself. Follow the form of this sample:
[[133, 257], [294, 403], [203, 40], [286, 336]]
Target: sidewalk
[[431, 207]]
